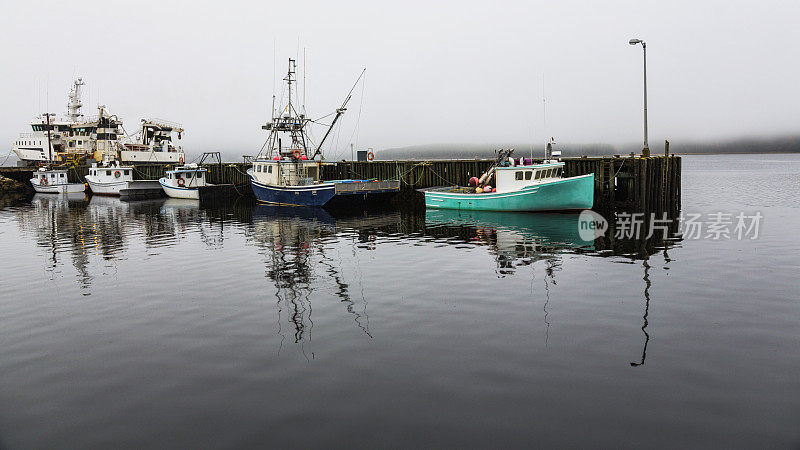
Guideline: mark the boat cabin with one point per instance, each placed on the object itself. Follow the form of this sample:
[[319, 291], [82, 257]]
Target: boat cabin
[[514, 178], [50, 177], [286, 172], [111, 173], [187, 176]]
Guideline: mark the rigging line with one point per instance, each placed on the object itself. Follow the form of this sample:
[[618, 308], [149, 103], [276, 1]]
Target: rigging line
[[326, 115], [358, 118], [7, 156]]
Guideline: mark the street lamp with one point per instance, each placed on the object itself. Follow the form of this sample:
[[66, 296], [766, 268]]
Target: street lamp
[[646, 150]]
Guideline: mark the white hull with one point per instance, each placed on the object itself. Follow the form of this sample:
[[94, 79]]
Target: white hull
[[180, 192], [111, 188], [30, 155], [156, 157], [66, 188]]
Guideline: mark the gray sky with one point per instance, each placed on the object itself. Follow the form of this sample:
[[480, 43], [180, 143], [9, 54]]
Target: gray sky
[[437, 72]]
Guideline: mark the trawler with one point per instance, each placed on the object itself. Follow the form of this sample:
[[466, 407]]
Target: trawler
[[70, 136], [288, 172], [76, 138], [153, 143]]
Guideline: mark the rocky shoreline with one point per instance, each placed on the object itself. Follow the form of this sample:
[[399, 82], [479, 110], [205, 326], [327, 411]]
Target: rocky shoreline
[[9, 185]]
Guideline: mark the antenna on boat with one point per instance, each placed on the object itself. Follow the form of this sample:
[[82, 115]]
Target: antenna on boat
[[544, 122], [274, 51], [304, 81], [49, 143]]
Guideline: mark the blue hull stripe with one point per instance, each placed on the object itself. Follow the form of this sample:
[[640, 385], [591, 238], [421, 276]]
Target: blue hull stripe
[[317, 195]]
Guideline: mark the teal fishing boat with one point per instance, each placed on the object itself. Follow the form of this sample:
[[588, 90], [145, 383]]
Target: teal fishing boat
[[519, 187]]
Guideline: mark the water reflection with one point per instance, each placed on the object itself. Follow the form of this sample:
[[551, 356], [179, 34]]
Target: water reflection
[[98, 227], [297, 244], [307, 251], [514, 238]]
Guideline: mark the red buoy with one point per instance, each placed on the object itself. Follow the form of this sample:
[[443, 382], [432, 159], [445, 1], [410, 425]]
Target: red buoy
[[473, 181]]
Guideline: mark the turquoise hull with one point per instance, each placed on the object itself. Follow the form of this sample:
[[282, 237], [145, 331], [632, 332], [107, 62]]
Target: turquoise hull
[[563, 194]]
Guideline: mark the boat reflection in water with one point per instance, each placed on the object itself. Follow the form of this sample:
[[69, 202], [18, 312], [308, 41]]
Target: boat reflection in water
[[96, 231], [309, 255], [304, 249], [514, 237]]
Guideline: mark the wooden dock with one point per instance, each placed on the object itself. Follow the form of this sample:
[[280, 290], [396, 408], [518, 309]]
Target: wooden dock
[[632, 183]]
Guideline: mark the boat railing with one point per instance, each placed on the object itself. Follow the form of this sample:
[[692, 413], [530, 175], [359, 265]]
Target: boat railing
[[27, 135]]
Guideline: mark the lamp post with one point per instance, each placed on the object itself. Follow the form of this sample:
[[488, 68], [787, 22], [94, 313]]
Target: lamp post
[[646, 150]]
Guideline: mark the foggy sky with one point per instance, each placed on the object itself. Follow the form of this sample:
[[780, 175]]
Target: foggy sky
[[437, 72]]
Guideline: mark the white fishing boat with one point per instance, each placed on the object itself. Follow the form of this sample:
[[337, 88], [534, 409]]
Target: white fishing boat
[[114, 179], [184, 181], [109, 180], [50, 181]]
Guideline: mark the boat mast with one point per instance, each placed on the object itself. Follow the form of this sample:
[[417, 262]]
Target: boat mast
[[49, 143]]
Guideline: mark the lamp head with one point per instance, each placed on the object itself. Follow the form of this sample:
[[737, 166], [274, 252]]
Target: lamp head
[[635, 41]]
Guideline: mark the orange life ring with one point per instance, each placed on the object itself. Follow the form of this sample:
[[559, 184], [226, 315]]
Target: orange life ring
[[181, 182], [296, 154], [117, 174], [43, 181], [180, 159], [370, 156]]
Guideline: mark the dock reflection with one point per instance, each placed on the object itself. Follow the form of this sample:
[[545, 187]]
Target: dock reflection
[[311, 254]]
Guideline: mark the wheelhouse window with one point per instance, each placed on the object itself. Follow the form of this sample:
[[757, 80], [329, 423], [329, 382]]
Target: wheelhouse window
[[528, 174], [538, 175], [108, 172], [518, 175], [199, 174], [269, 169], [258, 168], [559, 172], [127, 172]]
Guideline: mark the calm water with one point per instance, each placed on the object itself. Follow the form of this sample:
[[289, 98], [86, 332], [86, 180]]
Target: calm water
[[166, 324]]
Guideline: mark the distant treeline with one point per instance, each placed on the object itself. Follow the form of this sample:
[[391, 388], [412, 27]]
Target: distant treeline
[[470, 151]]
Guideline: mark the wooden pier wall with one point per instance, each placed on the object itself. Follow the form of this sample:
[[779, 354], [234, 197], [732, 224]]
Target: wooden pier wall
[[628, 183]]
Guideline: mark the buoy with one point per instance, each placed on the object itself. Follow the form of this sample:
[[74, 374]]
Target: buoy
[[478, 191], [473, 181], [304, 157], [487, 189], [277, 158]]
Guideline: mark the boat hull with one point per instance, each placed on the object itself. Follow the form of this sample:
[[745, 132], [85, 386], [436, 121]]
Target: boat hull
[[314, 195], [565, 194], [105, 188], [179, 192], [30, 154], [63, 188]]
